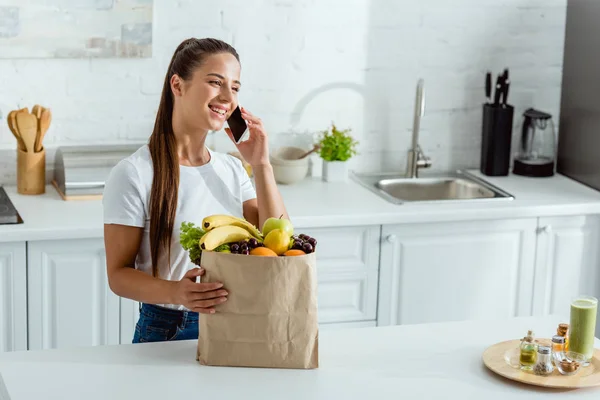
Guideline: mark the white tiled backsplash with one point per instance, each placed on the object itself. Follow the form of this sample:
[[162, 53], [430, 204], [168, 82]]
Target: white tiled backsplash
[[306, 63]]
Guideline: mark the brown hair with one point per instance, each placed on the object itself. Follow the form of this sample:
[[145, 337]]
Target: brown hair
[[188, 56]]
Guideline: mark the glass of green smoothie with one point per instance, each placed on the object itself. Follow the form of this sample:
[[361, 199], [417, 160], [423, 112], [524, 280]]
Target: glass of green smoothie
[[582, 329]]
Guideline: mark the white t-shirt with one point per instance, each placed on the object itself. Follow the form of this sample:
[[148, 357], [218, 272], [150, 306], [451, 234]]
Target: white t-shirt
[[218, 187]]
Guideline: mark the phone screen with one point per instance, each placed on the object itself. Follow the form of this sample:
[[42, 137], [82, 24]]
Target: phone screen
[[237, 124]]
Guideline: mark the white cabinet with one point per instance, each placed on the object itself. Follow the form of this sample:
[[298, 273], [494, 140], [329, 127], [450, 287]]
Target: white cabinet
[[367, 276], [130, 312], [347, 275], [456, 271], [566, 262], [70, 302], [347, 272], [13, 296]]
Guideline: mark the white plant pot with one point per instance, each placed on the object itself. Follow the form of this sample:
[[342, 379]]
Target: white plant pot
[[335, 171]]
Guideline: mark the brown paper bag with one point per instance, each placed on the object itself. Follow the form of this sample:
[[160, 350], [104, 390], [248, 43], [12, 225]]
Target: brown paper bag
[[270, 317]]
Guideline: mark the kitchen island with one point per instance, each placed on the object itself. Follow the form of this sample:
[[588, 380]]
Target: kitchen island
[[426, 361]]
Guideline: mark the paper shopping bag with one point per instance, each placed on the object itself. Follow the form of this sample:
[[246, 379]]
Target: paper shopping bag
[[270, 317]]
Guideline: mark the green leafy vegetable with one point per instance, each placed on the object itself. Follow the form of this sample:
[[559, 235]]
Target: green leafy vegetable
[[189, 238]]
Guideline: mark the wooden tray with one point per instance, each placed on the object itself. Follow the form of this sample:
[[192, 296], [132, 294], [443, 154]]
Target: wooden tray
[[496, 359]]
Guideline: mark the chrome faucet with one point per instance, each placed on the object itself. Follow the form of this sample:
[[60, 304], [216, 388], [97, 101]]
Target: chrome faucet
[[416, 157]]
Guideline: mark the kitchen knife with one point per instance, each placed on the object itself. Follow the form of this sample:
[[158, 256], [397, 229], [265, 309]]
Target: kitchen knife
[[506, 86], [498, 91], [488, 87]]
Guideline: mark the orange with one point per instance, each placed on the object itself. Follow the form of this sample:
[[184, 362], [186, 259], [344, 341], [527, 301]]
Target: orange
[[263, 251], [294, 252]]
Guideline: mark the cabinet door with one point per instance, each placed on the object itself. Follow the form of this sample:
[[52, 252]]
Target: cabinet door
[[13, 296], [130, 313], [472, 270], [70, 302], [347, 272], [567, 262]]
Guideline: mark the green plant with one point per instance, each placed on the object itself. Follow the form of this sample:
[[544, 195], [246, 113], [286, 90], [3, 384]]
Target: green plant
[[189, 237], [337, 145]]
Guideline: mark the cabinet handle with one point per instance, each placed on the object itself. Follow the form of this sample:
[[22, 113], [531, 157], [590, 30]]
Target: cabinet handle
[[391, 238], [546, 229]]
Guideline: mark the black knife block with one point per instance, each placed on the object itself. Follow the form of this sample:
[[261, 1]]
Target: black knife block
[[496, 137]]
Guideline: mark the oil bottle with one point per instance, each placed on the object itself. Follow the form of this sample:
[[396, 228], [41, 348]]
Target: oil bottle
[[563, 330], [528, 352]]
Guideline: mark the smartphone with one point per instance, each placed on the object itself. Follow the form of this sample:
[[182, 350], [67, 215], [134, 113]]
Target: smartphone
[[238, 126]]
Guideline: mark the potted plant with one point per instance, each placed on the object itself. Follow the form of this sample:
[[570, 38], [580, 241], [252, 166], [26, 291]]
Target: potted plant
[[336, 148]]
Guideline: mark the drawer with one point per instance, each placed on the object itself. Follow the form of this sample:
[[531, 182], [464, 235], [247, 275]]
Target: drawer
[[346, 248], [347, 272], [347, 296]]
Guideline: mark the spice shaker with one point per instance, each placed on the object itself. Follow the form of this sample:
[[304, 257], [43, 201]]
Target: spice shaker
[[544, 364], [558, 349], [528, 352], [558, 344]]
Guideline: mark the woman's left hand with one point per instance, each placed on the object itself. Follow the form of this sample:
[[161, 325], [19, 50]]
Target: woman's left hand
[[255, 150]]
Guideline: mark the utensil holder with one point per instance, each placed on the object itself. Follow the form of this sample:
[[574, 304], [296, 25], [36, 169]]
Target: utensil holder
[[496, 137], [31, 172]]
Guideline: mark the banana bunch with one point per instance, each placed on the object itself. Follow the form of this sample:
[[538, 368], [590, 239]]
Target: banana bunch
[[223, 229]]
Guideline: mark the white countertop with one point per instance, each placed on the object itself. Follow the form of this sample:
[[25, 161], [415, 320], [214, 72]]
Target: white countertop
[[430, 361], [314, 203]]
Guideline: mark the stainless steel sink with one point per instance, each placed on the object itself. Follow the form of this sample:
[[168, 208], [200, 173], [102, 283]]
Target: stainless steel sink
[[412, 186], [456, 186]]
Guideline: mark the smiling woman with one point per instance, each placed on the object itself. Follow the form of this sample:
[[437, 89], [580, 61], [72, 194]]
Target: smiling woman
[[176, 178]]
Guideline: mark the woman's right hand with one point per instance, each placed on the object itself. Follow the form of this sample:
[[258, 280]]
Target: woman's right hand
[[198, 297]]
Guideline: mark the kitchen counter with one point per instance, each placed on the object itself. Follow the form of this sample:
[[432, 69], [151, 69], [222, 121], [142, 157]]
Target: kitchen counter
[[429, 361], [314, 203]]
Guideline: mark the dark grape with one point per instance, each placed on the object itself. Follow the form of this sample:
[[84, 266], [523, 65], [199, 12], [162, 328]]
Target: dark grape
[[260, 244], [243, 247], [307, 247], [234, 248], [303, 236], [245, 252], [312, 241], [252, 243], [297, 245]]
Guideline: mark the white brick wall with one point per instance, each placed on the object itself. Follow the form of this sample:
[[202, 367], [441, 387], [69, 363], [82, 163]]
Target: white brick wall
[[355, 62]]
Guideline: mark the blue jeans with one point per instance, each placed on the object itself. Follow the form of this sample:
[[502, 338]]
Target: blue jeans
[[160, 324]]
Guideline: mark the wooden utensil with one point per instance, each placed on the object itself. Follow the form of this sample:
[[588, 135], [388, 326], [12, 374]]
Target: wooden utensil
[[317, 147], [12, 125], [37, 111], [44, 124], [27, 127]]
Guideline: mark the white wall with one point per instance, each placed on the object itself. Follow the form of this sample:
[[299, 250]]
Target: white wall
[[355, 62]]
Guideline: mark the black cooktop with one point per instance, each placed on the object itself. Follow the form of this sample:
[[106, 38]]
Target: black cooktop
[[8, 212]]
